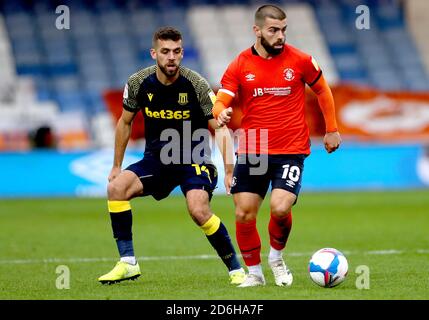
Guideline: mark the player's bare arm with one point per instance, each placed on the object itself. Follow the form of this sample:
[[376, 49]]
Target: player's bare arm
[[225, 145], [122, 135], [332, 138]]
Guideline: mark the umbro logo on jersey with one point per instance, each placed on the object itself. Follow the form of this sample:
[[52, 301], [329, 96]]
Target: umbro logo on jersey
[[250, 77], [150, 96]]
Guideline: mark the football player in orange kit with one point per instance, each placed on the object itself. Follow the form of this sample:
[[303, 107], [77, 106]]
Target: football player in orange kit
[[269, 80]]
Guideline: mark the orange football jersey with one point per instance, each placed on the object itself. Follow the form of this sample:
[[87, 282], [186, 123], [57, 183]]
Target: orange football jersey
[[271, 94]]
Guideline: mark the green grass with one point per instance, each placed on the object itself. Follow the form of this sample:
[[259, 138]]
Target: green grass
[[72, 230]]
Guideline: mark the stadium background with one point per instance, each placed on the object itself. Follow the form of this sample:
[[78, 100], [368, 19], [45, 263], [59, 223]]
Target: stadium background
[[60, 87], [60, 94]]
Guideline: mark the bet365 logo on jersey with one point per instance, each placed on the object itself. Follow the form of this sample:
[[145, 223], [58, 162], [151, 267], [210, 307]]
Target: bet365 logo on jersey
[[168, 114]]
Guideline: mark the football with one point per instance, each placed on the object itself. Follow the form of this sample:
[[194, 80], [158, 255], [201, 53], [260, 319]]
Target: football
[[328, 267]]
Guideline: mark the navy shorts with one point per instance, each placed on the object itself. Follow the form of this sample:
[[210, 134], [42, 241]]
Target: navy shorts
[[159, 179], [282, 171]]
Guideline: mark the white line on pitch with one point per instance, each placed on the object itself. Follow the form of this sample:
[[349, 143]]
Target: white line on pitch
[[195, 257]]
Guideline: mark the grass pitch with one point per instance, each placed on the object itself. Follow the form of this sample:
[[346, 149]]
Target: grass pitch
[[40, 238]]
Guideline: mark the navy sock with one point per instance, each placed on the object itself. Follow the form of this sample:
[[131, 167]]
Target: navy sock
[[121, 226], [221, 241]]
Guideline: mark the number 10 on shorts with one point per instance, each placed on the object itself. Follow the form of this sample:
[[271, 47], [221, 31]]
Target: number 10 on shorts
[[291, 172]]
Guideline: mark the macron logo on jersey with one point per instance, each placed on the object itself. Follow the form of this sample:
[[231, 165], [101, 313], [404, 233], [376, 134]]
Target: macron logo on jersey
[[250, 77]]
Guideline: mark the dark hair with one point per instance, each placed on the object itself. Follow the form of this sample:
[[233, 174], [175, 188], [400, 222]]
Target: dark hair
[[166, 33], [268, 11]]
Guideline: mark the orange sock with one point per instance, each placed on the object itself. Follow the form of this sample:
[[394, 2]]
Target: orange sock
[[279, 229], [249, 242]]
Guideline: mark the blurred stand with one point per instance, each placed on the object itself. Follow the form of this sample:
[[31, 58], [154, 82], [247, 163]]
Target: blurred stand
[[43, 138], [423, 165], [61, 90], [64, 78]]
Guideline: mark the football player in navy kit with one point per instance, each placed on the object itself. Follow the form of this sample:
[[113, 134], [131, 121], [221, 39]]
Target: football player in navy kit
[[177, 107]]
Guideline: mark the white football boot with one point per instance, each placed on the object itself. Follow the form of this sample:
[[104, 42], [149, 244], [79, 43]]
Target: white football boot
[[252, 280], [282, 275]]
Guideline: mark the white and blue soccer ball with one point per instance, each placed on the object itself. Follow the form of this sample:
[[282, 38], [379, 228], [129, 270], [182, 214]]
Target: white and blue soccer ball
[[328, 267]]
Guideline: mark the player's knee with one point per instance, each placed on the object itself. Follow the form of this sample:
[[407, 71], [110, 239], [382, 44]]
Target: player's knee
[[200, 214], [281, 205], [116, 191], [245, 214], [281, 209], [198, 206]]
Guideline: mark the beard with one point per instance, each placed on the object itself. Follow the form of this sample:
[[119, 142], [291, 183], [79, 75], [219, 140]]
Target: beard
[[270, 48], [169, 73]]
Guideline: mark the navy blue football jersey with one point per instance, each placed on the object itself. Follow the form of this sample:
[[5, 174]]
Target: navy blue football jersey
[[176, 115]]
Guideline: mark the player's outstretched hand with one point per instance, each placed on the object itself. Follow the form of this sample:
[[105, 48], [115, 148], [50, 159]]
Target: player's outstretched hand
[[332, 141], [228, 181], [224, 117], [114, 173]]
